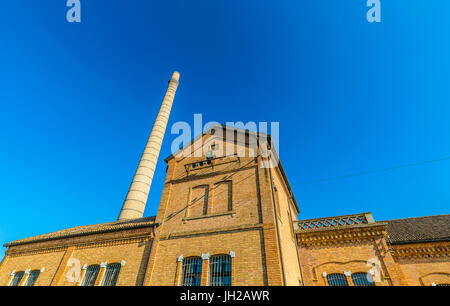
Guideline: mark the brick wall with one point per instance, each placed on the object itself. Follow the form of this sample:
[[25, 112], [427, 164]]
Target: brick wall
[[59, 257], [424, 263], [360, 250], [350, 250], [236, 214], [287, 213], [228, 206]]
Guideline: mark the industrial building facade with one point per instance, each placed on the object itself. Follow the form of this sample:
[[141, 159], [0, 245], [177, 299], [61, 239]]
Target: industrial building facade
[[227, 219]]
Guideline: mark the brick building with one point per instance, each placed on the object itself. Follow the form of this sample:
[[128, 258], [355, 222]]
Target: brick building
[[229, 219], [225, 220]]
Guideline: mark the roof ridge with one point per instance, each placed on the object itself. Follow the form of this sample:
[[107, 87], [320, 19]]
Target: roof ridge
[[417, 217]]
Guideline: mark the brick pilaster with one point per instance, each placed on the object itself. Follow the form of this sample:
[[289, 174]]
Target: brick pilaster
[[62, 266], [205, 270]]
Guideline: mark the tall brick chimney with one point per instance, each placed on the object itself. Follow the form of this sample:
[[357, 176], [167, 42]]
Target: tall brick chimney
[[137, 195]]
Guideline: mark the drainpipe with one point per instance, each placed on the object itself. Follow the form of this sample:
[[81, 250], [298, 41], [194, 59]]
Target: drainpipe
[[150, 255], [296, 247]]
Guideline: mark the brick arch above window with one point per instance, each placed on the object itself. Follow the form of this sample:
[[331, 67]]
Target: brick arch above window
[[321, 271], [435, 277]]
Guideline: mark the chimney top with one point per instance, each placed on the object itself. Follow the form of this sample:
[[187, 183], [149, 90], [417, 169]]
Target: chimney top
[[176, 76]]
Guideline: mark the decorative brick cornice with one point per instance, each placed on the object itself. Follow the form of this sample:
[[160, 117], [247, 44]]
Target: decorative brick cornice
[[368, 232], [422, 250], [113, 242], [35, 251], [89, 239], [88, 230], [80, 246]]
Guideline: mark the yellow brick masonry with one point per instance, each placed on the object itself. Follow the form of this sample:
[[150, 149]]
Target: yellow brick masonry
[[131, 246], [257, 230]]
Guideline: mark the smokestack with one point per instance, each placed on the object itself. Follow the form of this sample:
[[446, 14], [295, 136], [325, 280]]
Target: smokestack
[[137, 195]]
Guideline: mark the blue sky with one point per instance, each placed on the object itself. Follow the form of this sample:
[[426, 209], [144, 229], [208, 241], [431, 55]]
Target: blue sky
[[77, 101]]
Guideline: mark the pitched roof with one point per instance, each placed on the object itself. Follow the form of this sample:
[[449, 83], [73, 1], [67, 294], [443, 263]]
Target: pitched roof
[[89, 229], [420, 229], [208, 132]]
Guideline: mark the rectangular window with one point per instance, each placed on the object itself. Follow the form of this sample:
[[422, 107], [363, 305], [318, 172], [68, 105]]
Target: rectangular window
[[111, 274], [362, 279], [32, 278], [337, 280], [191, 271], [17, 278], [91, 275], [220, 270]]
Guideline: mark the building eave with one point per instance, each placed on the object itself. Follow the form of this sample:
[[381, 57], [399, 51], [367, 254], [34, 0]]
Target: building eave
[[87, 233]]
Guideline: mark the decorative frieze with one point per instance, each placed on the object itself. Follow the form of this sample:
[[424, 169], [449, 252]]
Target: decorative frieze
[[341, 236], [422, 250], [45, 250]]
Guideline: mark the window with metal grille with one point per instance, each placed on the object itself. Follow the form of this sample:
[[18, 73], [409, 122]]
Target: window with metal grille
[[32, 277], [191, 272], [337, 280], [220, 270], [17, 278], [362, 279], [111, 274], [442, 285], [91, 275]]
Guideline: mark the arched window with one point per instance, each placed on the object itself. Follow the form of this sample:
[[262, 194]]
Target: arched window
[[91, 275], [191, 272], [337, 280], [362, 279], [17, 278], [220, 270], [111, 274], [32, 278]]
